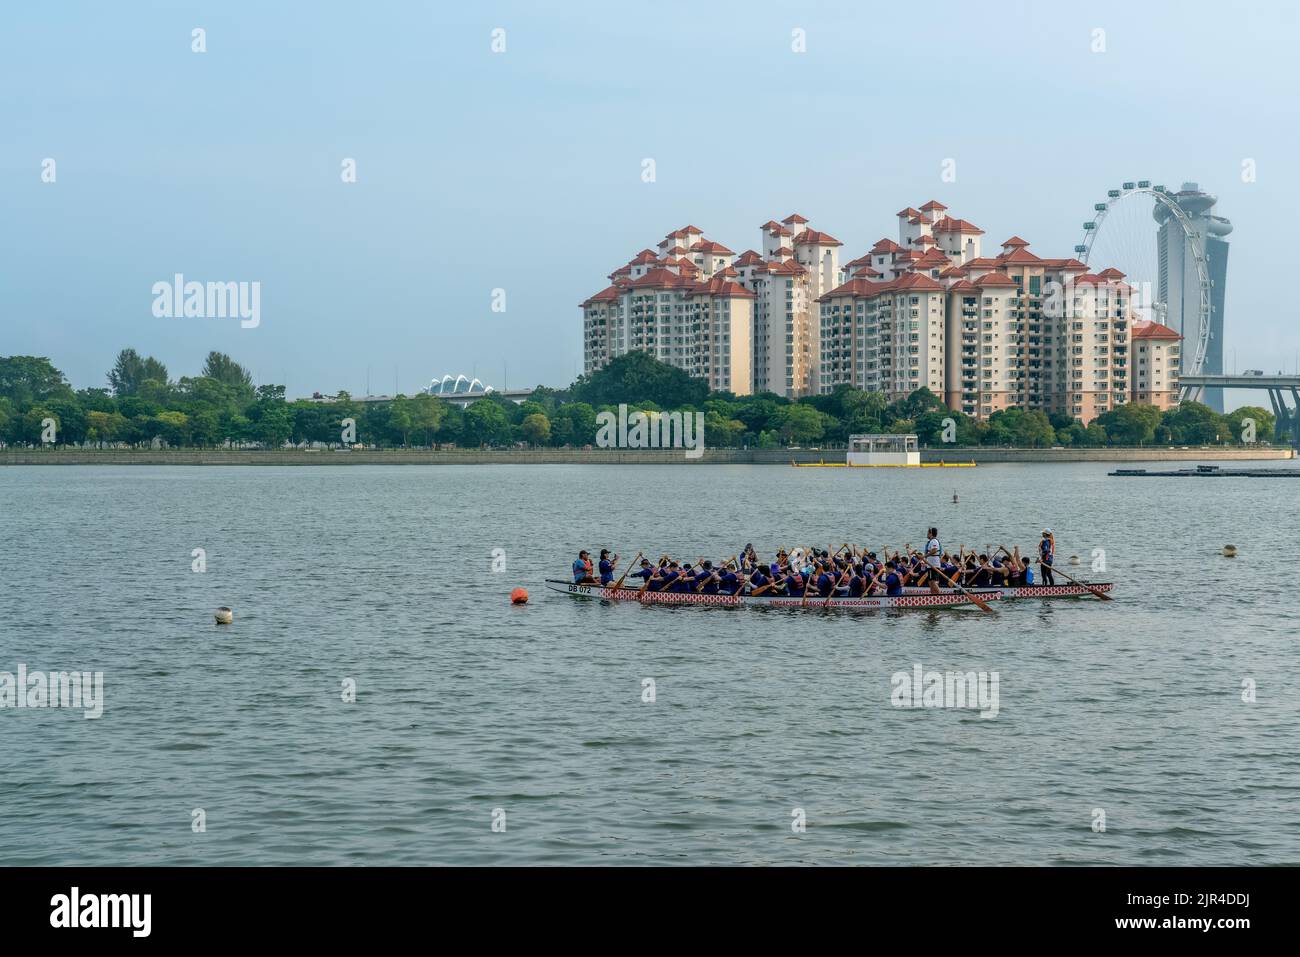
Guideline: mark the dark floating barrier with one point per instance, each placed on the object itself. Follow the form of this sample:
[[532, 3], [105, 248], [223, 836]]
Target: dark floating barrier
[[1208, 471]]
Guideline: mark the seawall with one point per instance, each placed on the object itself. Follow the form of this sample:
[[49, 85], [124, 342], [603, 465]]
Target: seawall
[[982, 456]]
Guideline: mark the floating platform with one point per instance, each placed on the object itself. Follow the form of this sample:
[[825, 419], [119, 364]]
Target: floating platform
[[1207, 471], [883, 465]]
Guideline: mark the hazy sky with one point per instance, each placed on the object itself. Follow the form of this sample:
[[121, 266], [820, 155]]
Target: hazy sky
[[522, 170]]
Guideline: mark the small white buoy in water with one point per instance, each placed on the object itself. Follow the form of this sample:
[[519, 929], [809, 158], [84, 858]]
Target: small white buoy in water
[[224, 615], [1229, 551], [1074, 559]]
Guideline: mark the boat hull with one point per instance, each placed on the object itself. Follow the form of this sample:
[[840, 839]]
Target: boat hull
[[918, 600], [1049, 591]]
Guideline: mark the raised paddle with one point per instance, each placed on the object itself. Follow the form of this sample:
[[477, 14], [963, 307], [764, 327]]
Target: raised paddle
[[836, 586], [979, 602], [619, 583], [807, 581], [1068, 577]]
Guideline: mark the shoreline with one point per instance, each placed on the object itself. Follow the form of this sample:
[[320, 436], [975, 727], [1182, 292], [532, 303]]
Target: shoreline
[[981, 456]]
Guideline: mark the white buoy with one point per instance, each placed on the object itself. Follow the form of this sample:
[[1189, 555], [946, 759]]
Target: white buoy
[[1074, 559], [1229, 551], [224, 615]]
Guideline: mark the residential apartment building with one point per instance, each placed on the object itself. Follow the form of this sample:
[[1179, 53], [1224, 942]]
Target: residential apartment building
[[1156, 362], [746, 323], [984, 333], [680, 304]]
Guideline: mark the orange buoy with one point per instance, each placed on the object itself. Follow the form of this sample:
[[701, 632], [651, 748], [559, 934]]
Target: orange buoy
[[519, 596]]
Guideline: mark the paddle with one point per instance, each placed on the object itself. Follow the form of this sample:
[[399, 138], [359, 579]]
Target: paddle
[[837, 585], [806, 584], [619, 583], [700, 586], [659, 566], [1068, 577], [979, 602]]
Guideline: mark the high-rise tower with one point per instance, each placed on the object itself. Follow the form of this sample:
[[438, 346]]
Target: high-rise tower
[[1178, 284]]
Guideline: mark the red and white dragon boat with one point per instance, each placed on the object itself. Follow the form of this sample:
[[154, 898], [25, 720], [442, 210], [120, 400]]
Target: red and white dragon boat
[[911, 597]]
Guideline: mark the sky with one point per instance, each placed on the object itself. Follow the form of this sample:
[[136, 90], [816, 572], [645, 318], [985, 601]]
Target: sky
[[522, 170]]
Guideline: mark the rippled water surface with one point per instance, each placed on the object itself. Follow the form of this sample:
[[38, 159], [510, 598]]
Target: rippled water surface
[[466, 704]]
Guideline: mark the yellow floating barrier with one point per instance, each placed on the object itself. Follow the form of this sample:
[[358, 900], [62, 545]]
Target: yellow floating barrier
[[883, 465]]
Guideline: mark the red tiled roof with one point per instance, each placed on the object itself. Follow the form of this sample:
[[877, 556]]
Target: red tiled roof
[[983, 262], [794, 218], [933, 205], [784, 251], [811, 237], [709, 246], [950, 225], [1015, 241], [608, 294], [963, 285], [748, 258], [783, 268], [1153, 330], [998, 279], [917, 282], [862, 288], [721, 288], [1111, 273], [770, 224], [866, 272], [886, 246], [661, 278], [909, 212], [1019, 254], [1066, 265], [644, 256], [858, 288]]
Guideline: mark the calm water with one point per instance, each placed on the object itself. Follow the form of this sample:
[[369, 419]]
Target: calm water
[[466, 704]]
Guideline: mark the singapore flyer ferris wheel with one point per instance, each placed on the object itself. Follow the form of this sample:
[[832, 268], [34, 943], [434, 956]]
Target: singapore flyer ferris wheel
[[1120, 234]]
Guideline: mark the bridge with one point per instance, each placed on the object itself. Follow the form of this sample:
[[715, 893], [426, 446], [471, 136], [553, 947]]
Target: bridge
[[1287, 428]]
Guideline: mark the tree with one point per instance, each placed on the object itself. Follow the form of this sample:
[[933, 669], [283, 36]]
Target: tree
[[1133, 423], [426, 415], [130, 372], [800, 423], [28, 379], [485, 423], [226, 370], [536, 429], [1250, 420], [1034, 431], [574, 423], [1193, 423], [636, 378]]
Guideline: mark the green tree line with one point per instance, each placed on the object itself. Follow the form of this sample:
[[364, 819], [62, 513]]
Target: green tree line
[[141, 405]]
